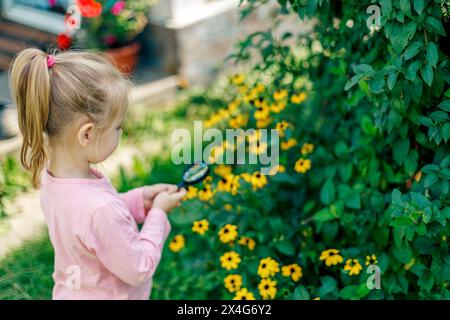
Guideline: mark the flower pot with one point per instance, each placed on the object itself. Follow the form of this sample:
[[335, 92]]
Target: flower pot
[[125, 58], [8, 120]]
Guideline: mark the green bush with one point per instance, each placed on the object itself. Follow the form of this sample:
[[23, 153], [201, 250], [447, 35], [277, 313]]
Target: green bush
[[376, 186]]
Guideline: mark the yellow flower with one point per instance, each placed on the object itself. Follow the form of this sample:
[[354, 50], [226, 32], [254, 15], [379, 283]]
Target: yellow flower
[[258, 147], [246, 241], [233, 282], [278, 107], [281, 127], [230, 260], [237, 79], [177, 243], [286, 145], [267, 288], [228, 207], [229, 183], [200, 226], [228, 233], [268, 267], [276, 169], [233, 105], [371, 260], [410, 264], [317, 298], [238, 122], [244, 294], [260, 88], [307, 148], [263, 123], [258, 180], [247, 177], [205, 194], [292, 270], [331, 257], [262, 112], [298, 98], [302, 165], [353, 266], [223, 170], [191, 193], [280, 95]]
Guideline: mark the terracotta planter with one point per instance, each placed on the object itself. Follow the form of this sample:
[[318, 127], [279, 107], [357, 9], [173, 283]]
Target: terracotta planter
[[125, 58]]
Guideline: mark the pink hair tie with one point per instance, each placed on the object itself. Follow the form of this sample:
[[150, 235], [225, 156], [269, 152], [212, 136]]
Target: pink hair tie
[[50, 60]]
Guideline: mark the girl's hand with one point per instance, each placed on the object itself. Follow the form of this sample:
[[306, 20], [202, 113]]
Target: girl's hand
[[167, 201], [150, 193]]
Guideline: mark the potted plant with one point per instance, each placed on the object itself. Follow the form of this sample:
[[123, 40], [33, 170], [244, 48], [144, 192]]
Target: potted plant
[[111, 26]]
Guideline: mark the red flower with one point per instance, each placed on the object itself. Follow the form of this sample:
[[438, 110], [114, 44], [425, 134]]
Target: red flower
[[89, 8], [64, 41]]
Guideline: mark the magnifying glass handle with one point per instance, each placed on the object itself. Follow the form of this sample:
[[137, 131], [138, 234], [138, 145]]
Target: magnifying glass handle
[[180, 185]]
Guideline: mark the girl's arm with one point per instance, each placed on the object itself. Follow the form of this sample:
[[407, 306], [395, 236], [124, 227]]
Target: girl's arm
[[134, 200], [131, 255]]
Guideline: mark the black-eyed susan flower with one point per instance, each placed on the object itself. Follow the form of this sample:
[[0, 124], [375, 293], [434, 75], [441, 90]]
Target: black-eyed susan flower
[[298, 98], [258, 180], [331, 257], [200, 226], [262, 112], [286, 145], [267, 288], [293, 270], [258, 147], [238, 121], [237, 79], [177, 243], [191, 193], [268, 267], [244, 294], [280, 95], [233, 282], [277, 107], [353, 267], [260, 88], [307, 148], [302, 165], [281, 127], [263, 123], [230, 260], [277, 169], [248, 242], [223, 170], [229, 183], [228, 233], [371, 260], [246, 177], [205, 194], [233, 105]]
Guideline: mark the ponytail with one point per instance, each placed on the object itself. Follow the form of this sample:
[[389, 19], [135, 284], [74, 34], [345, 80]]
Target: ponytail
[[30, 88]]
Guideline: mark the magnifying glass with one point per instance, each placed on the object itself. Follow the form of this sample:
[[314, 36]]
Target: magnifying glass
[[194, 174]]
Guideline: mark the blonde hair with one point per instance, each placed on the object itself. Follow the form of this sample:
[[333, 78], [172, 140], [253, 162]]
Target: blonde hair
[[49, 99]]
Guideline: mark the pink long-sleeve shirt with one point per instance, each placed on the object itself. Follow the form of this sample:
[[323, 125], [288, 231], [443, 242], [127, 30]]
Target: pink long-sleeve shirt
[[99, 251]]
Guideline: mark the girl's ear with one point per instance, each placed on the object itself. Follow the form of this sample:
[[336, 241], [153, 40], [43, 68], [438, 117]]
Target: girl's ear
[[86, 134]]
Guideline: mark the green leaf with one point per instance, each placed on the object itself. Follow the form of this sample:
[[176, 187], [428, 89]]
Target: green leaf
[[367, 126], [285, 247], [418, 6], [377, 84], [412, 50], [405, 7], [445, 105], [329, 284], [363, 69], [427, 74], [354, 80], [432, 54], [430, 180], [392, 78], [435, 25], [430, 168], [323, 215], [327, 192], [400, 150], [300, 293], [401, 221]]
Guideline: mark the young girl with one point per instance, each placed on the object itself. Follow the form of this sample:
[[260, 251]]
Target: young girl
[[71, 108]]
